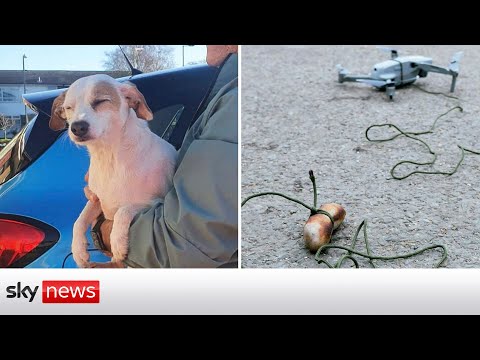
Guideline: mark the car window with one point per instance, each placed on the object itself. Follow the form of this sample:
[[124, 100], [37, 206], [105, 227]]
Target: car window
[[11, 157], [25, 148], [165, 120]]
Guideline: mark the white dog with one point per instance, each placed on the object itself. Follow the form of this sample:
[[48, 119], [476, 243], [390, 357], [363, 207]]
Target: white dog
[[129, 165]]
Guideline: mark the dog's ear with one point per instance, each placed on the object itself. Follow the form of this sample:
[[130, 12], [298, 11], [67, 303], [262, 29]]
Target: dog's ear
[[58, 118], [136, 101]]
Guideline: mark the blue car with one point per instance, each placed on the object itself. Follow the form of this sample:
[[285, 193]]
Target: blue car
[[42, 171]]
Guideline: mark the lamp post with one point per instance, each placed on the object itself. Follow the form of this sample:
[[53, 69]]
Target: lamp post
[[183, 54], [24, 87], [137, 50]]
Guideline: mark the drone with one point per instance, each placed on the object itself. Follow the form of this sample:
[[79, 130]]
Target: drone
[[400, 71]]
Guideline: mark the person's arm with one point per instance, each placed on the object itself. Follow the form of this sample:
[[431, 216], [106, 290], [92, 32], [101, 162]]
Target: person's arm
[[197, 223]]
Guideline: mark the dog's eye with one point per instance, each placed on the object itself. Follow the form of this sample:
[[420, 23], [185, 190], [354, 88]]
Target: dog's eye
[[97, 102]]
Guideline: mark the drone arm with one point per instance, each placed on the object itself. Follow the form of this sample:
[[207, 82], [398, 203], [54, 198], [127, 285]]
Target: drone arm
[[353, 78], [433, 68], [441, 70]]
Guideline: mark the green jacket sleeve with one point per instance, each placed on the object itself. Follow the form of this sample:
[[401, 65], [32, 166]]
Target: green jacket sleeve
[[196, 225]]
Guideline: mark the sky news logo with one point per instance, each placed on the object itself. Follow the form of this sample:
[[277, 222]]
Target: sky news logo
[[75, 292], [58, 292]]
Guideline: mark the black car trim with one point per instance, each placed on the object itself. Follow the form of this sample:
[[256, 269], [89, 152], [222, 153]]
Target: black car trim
[[51, 238], [203, 104]]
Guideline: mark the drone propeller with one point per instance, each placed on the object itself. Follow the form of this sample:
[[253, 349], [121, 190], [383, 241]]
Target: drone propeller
[[376, 83], [341, 69], [454, 63], [385, 48], [393, 52]]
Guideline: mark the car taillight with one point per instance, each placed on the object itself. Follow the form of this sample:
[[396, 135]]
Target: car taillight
[[16, 240]]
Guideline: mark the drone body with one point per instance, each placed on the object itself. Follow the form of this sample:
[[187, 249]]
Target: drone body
[[399, 71]]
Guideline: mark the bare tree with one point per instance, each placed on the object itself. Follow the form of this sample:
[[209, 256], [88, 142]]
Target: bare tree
[[145, 58], [5, 124], [197, 62]]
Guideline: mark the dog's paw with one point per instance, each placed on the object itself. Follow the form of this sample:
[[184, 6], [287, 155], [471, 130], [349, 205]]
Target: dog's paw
[[119, 246], [79, 251], [82, 258], [109, 265]]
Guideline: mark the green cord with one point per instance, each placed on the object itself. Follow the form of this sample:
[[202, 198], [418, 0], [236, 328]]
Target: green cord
[[368, 255], [434, 92], [351, 250], [410, 134], [313, 209]]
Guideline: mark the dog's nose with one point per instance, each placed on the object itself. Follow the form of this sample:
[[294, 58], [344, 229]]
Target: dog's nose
[[79, 128]]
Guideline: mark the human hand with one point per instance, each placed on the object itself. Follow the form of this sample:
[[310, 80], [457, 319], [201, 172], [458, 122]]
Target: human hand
[[105, 230], [106, 227]]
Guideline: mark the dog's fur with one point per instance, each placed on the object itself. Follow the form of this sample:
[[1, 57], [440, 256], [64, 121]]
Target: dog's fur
[[129, 165]]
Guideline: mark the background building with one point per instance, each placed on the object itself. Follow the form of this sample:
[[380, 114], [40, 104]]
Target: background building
[[12, 88]]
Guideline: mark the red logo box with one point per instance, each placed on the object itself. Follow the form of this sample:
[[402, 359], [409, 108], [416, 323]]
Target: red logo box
[[68, 291]]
